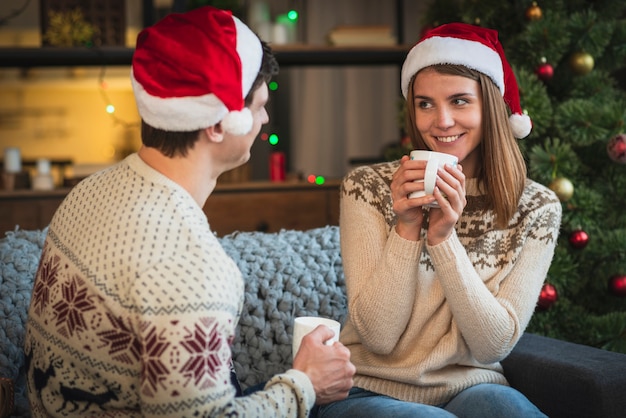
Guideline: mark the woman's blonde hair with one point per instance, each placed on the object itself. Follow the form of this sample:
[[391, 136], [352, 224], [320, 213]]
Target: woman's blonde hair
[[502, 175]]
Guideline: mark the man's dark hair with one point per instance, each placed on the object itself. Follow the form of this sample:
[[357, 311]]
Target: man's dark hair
[[172, 143]]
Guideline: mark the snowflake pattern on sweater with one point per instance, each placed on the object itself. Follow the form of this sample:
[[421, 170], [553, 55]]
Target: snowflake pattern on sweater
[[135, 306]]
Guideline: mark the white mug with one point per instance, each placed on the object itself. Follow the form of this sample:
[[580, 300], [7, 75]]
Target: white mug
[[435, 160], [305, 324]]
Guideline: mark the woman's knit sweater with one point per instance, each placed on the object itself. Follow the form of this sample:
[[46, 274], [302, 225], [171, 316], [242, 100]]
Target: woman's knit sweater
[[426, 322]]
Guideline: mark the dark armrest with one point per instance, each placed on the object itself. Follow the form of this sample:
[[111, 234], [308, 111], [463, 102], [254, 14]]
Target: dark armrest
[[6, 397], [568, 380]]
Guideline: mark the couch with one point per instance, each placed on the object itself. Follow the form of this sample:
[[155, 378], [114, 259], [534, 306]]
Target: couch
[[293, 273]]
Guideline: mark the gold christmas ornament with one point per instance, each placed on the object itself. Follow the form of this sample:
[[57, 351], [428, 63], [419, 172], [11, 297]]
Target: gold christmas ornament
[[534, 12], [581, 63], [563, 188]]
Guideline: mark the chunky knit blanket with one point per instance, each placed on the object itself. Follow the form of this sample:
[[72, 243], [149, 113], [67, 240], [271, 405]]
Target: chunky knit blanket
[[287, 274], [19, 259]]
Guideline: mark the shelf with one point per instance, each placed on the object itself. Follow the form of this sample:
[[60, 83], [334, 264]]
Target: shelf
[[304, 55], [297, 55], [64, 57], [266, 185]]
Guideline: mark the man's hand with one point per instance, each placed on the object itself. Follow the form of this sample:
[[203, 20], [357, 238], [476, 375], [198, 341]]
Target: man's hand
[[328, 366]]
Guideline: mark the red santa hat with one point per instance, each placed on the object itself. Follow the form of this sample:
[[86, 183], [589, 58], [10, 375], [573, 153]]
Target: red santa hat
[[476, 48], [192, 70]]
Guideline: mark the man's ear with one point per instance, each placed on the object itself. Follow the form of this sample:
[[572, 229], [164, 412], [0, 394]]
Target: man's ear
[[215, 133]]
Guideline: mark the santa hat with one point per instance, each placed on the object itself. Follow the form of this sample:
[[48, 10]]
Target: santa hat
[[475, 48], [193, 70]]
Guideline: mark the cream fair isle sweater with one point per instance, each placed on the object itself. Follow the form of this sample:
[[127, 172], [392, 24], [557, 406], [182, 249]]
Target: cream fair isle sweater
[[135, 306], [426, 322]]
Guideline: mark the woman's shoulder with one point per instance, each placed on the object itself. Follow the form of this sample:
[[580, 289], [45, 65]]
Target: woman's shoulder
[[366, 175], [539, 193], [538, 197], [370, 184]]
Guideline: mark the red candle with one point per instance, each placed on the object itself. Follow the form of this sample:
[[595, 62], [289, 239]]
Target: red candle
[[277, 166]]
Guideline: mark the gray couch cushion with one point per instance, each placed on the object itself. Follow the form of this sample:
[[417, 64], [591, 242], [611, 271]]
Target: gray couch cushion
[[19, 258]]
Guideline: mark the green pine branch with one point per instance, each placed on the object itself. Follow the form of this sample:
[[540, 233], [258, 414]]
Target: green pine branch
[[575, 114]]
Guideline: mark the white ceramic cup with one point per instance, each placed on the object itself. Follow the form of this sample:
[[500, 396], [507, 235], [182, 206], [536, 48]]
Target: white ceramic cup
[[305, 324], [435, 160]]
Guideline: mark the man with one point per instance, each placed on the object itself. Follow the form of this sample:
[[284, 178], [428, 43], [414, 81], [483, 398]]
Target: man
[[135, 303]]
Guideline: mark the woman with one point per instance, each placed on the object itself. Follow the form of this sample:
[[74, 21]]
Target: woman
[[437, 297]]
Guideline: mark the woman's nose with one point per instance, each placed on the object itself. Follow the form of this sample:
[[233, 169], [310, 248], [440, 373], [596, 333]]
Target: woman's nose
[[444, 118]]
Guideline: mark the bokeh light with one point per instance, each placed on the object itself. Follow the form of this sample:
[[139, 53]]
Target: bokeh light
[[313, 179]]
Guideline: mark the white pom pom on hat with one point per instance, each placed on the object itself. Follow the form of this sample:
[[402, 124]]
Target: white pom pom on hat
[[521, 125], [476, 48], [238, 122], [193, 70]]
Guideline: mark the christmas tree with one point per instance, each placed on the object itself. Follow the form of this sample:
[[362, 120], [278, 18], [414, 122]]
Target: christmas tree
[[568, 56]]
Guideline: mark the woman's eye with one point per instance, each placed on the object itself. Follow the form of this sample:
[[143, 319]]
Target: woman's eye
[[424, 105]]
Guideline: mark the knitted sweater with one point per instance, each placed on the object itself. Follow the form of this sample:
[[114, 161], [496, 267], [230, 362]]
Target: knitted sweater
[[426, 322], [135, 306]]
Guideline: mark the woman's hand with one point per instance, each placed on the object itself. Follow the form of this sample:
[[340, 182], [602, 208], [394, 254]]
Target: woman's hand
[[441, 221], [409, 211]]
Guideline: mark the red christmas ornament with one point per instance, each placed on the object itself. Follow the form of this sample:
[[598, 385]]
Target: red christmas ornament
[[617, 285], [578, 239], [545, 71], [547, 297], [616, 148]]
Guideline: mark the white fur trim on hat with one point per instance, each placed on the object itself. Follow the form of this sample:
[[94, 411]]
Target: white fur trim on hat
[[250, 53], [178, 113], [445, 50]]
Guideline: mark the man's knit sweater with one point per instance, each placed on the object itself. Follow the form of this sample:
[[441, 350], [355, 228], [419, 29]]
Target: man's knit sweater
[[426, 322], [134, 308]]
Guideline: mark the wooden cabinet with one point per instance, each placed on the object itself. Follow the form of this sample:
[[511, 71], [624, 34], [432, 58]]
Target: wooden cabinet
[[28, 209], [270, 207], [249, 206]]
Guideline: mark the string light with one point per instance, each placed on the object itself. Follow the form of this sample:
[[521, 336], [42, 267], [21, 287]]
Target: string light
[[313, 179], [273, 139], [110, 108], [273, 86], [292, 15]]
